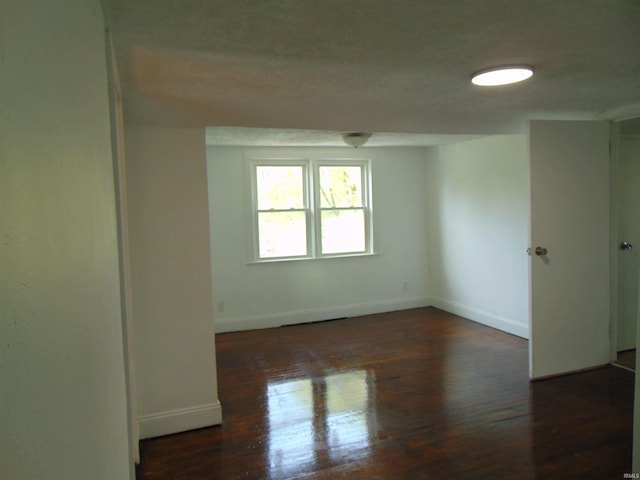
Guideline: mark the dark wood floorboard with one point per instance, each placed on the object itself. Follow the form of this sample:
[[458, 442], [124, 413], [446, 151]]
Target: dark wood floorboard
[[416, 394]]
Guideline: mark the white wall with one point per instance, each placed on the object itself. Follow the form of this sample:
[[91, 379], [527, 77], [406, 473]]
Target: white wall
[[63, 410], [266, 295], [478, 211], [172, 307]]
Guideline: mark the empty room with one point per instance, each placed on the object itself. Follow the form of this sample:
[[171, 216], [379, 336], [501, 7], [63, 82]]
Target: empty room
[[340, 239]]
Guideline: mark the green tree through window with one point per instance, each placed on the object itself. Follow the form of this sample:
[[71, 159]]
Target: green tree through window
[[311, 208]]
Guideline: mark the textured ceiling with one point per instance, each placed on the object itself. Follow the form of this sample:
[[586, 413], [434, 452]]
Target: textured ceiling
[[277, 137], [373, 65]]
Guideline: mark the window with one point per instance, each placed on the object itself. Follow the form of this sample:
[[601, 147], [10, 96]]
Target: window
[[282, 210], [310, 208]]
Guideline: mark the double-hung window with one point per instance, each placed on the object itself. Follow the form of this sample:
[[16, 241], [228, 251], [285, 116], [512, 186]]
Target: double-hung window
[[310, 208]]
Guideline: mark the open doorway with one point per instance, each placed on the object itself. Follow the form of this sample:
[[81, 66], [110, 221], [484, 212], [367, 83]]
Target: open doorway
[[626, 258]]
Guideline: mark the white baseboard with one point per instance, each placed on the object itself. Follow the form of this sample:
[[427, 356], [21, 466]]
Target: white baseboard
[[489, 319], [255, 322], [180, 420]]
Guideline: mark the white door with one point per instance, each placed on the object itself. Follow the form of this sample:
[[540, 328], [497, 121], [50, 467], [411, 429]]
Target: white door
[[627, 187], [570, 218]]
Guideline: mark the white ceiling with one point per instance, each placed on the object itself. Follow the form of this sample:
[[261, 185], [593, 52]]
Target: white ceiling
[[316, 68]]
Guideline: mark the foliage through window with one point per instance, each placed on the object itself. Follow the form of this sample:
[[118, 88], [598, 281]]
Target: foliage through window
[[310, 208]]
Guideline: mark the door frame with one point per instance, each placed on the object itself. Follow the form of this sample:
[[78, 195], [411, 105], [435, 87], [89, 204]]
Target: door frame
[[615, 167], [616, 140], [119, 168], [616, 116]]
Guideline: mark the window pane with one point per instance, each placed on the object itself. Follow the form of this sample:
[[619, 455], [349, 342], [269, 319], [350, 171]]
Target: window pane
[[280, 187], [282, 234], [341, 186], [343, 231]]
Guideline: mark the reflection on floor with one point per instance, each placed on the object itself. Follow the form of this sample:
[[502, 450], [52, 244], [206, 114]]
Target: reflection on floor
[[332, 411], [626, 359], [417, 394]]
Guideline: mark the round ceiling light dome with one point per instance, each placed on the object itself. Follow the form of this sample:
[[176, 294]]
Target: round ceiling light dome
[[502, 75], [356, 139]]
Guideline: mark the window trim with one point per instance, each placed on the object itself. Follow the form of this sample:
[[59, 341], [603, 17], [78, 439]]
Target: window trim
[[312, 205]]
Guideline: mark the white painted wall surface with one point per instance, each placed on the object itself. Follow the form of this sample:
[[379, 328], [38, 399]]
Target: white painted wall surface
[[171, 279], [62, 382], [478, 210], [267, 295]]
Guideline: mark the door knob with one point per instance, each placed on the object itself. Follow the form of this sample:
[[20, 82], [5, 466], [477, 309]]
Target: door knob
[[626, 246], [541, 251]]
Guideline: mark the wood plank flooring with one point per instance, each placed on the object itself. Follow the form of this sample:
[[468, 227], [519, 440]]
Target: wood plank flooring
[[416, 394]]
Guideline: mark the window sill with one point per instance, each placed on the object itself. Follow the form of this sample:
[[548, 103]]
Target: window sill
[[306, 259]]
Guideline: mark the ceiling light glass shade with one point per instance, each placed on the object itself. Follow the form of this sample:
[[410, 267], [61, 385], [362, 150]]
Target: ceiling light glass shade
[[356, 139], [503, 75]]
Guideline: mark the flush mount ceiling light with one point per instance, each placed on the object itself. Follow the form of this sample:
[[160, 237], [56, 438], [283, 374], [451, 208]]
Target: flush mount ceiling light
[[356, 139], [502, 75]]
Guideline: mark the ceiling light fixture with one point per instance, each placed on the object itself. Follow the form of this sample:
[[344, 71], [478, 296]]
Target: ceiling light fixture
[[502, 75], [355, 139]]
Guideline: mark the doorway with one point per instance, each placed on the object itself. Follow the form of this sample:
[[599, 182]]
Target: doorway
[[626, 259]]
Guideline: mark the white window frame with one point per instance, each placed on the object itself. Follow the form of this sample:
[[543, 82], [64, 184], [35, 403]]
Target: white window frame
[[312, 205]]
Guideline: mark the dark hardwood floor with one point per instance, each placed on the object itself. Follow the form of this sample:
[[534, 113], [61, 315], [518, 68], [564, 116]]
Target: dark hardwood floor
[[417, 394]]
